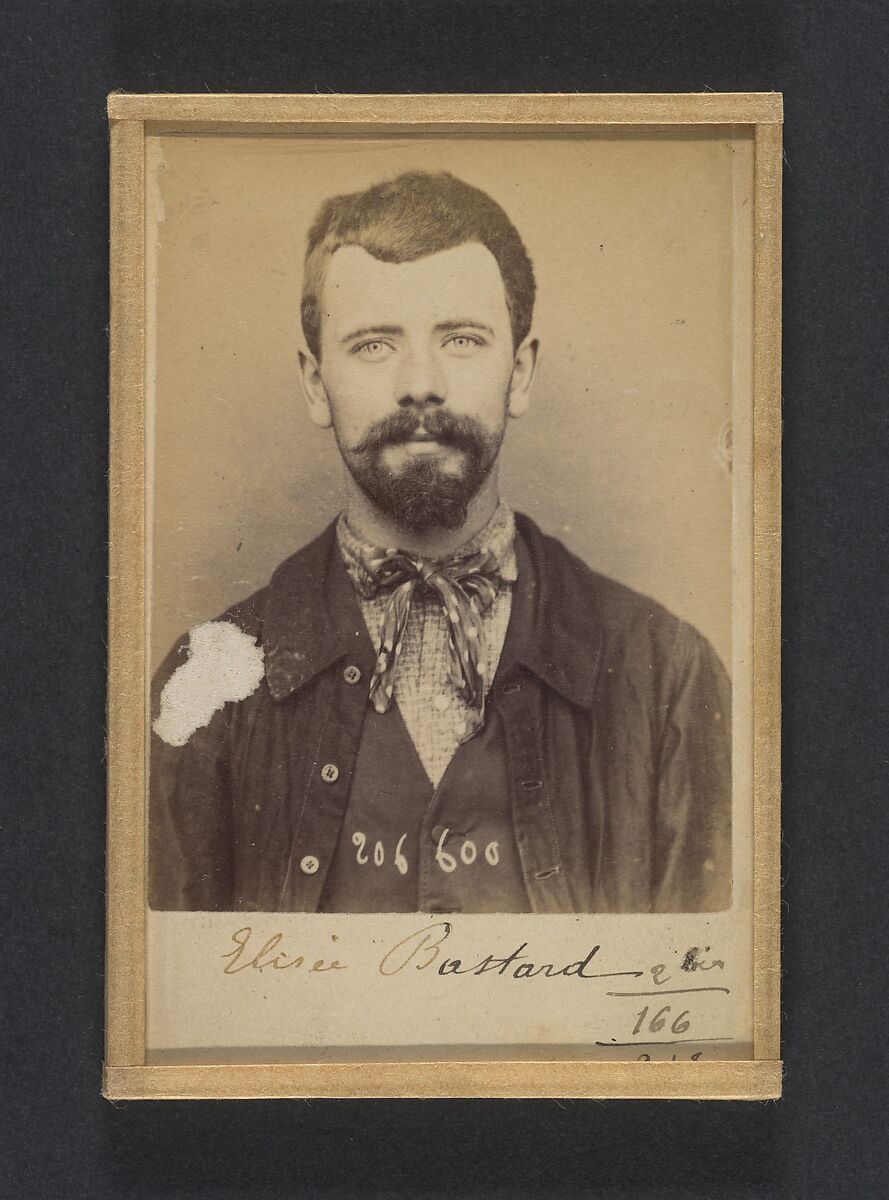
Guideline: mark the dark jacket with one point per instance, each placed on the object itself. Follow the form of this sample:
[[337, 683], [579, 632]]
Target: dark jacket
[[617, 720]]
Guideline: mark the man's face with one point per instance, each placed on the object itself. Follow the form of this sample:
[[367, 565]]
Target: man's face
[[416, 375]]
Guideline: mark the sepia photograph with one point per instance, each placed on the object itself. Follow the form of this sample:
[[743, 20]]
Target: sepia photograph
[[449, 581], [434, 704]]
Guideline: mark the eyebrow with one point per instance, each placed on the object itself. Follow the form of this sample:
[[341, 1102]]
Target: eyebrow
[[367, 329], [395, 330], [446, 326]]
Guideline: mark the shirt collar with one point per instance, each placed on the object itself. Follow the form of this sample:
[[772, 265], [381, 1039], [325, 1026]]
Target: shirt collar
[[312, 617], [496, 538]]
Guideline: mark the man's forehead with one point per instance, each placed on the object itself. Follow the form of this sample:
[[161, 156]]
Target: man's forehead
[[467, 273]]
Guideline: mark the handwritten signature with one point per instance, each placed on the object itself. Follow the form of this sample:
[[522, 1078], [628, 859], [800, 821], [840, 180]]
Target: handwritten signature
[[423, 950]]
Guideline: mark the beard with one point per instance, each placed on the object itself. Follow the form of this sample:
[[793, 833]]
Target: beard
[[421, 496]]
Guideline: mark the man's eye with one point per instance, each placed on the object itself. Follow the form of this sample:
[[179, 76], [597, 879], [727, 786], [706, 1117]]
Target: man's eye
[[374, 349], [463, 343]]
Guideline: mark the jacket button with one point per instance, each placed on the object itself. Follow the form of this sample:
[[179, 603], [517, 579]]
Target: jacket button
[[351, 674], [309, 865], [330, 773]]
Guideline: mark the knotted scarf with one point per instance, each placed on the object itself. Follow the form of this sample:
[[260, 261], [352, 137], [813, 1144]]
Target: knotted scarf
[[466, 587]]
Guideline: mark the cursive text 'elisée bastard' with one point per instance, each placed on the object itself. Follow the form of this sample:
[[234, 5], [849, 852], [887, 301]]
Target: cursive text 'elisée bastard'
[[420, 951]]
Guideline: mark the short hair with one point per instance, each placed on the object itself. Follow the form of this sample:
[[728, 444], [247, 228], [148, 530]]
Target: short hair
[[406, 218]]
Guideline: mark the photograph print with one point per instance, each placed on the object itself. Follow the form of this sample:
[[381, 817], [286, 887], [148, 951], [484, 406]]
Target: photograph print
[[441, 521]]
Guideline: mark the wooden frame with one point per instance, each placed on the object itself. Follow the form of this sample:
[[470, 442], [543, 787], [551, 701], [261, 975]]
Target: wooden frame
[[126, 1074]]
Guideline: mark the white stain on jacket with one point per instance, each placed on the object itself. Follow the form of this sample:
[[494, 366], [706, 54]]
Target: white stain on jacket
[[224, 665]]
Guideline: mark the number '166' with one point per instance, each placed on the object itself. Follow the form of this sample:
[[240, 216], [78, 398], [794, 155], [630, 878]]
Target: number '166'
[[659, 1020]]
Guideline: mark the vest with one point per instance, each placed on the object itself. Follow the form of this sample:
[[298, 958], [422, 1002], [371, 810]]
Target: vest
[[406, 846]]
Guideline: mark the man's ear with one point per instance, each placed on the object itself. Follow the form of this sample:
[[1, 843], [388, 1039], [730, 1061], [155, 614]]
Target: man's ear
[[524, 368], [314, 391]]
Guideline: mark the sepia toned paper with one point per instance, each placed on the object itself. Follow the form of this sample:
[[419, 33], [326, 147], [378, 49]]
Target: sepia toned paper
[[647, 450]]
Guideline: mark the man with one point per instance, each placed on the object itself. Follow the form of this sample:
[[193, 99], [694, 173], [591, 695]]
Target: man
[[434, 707]]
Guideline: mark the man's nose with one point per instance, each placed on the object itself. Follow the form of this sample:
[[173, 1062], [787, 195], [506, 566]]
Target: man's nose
[[422, 382]]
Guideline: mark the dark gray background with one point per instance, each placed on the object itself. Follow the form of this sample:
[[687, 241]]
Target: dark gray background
[[827, 1136]]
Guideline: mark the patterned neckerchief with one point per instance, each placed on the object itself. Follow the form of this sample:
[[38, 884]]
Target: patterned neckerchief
[[464, 585]]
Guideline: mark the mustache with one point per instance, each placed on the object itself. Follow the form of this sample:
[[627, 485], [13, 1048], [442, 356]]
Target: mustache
[[464, 433]]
